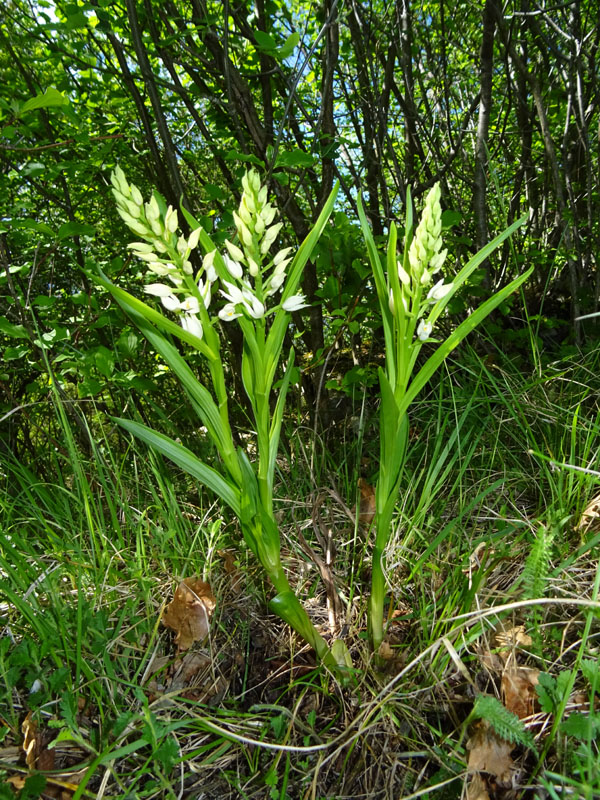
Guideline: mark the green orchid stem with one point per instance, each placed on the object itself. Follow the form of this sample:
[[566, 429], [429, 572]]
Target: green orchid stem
[[377, 598], [383, 523]]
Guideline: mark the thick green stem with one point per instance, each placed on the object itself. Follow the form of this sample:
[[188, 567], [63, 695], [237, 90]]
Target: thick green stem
[[377, 598]]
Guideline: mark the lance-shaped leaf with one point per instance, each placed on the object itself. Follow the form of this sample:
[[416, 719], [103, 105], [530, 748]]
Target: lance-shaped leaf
[[123, 297], [277, 418], [472, 265], [381, 286], [280, 323], [185, 459], [200, 398], [456, 337]]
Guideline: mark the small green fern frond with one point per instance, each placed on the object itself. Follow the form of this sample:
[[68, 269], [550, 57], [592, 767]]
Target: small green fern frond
[[537, 565], [506, 724]]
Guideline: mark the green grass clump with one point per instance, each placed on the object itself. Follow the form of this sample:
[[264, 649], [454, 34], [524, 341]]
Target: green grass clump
[[94, 542]]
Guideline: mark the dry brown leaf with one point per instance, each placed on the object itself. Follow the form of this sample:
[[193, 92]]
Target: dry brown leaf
[[492, 662], [231, 569], [367, 502], [385, 651], [590, 516], [512, 637], [477, 557], [476, 788], [489, 753], [189, 612], [31, 742], [518, 690]]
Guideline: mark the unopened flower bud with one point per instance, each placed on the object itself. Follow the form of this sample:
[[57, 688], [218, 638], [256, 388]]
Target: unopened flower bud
[[140, 247], [136, 195], [171, 220], [208, 260], [152, 210], [279, 257], [233, 267], [270, 236], [244, 213], [194, 237], [234, 251]]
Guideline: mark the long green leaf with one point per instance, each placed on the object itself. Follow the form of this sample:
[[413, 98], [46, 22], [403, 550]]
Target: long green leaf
[[280, 323], [201, 398], [275, 431], [380, 281], [472, 265], [185, 459], [121, 296], [455, 338]]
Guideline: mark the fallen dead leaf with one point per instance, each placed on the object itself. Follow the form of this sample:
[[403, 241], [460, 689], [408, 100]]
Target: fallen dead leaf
[[189, 612], [367, 502], [518, 690], [590, 516], [232, 570], [385, 651], [31, 741], [489, 753], [512, 637], [476, 788]]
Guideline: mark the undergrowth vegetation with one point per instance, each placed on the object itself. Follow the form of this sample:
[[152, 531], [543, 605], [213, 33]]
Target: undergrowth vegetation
[[488, 674]]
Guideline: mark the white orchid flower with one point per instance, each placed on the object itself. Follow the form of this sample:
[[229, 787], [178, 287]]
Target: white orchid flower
[[191, 324], [424, 330], [190, 305], [439, 290], [275, 283], [294, 303], [158, 289], [233, 267], [228, 312], [253, 305], [233, 294]]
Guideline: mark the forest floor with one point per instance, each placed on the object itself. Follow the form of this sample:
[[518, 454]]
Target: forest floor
[[487, 684]]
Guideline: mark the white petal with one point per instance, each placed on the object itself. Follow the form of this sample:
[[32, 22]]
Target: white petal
[[228, 312], [233, 267], [276, 283], [190, 304], [233, 293], [439, 290], [158, 289], [294, 303], [170, 302], [191, 323], [424, 330]]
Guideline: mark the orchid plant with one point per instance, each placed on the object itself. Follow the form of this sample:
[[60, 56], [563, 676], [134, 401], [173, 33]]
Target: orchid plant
[[259, 290], [412, 298]]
